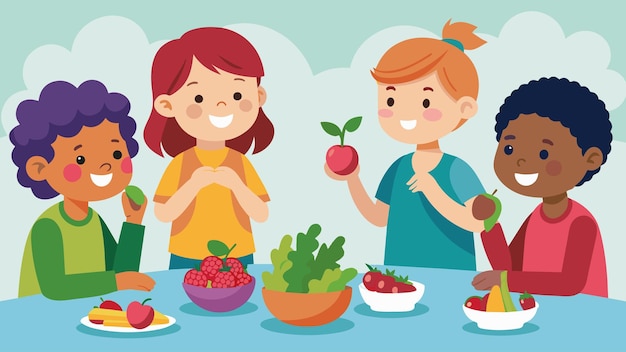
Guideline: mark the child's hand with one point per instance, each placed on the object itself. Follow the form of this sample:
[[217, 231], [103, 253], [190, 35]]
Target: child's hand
[[133, 211], [422, 183], [202, 177], [483, 207], [486, 280], [132, 280], [336, 176], [226, 177]]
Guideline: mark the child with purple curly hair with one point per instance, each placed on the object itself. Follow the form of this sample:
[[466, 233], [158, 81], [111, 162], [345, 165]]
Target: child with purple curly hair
[[78, 142]]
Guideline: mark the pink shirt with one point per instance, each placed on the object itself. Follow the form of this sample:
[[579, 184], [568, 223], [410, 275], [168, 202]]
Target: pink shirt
[[562, 256], [546, 243]]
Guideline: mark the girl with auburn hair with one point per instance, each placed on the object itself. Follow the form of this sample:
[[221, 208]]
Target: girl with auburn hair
[[427, 88], [206, 114]]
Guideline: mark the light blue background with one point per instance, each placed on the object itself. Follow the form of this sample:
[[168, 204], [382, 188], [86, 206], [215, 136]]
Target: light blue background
[[328, 48], [327, 32]]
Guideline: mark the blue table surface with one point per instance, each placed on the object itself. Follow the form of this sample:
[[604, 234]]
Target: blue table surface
[[579, 322]]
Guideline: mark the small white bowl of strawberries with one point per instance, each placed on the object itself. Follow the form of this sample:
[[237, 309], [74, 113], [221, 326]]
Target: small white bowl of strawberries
[[221, 283], [389, 292]]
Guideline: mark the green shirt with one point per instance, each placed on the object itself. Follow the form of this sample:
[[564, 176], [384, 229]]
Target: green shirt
[[66, 259]]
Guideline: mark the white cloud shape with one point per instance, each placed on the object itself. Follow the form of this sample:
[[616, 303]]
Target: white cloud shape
[[531, 45]]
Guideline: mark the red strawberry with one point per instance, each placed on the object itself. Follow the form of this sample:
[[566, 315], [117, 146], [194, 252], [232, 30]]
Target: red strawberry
[[527, 301], [371, 278], [392, 283], [211, 265], [485, 298], [476, 302], [223, 279], [244, 280], [385, 284], [406, 287], [108, 304], [196, 277]]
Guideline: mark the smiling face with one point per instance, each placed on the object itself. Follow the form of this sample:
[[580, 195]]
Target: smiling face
[[421, 111], [213, 106], [93, 165], [538, 157]]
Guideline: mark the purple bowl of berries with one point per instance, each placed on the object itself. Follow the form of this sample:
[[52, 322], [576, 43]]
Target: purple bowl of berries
[[221, 283]]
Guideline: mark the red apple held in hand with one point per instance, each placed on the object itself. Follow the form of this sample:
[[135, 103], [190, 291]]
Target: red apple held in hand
[[108, 304], [139, 315], [342, 159]]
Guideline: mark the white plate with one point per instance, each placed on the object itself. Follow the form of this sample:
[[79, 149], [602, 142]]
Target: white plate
[[85, 321]]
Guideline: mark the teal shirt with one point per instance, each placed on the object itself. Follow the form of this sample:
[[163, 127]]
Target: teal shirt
[[417, 234], [65, 258]]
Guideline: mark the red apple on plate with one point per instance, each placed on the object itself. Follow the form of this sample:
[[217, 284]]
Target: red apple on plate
[[342, 159], [139, 315], [108, 304]]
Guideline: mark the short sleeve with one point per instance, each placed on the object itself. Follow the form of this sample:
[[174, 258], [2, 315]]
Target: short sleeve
[[253, 181], [464, 181], [169, 181], [386, 184]]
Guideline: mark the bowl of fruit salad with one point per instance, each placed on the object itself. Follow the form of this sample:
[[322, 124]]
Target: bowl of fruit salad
[[497, 311], [389, 292], [220, 283]]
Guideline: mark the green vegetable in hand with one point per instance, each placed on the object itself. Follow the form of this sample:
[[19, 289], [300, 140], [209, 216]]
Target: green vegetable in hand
[[491, 221], [135, 194]]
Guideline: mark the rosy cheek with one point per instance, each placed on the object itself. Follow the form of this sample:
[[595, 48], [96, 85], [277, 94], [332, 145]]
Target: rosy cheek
[[553, 168], [385, 113], [432, 114], [245, 105], [127, 165], [194, 111], [72, 172]]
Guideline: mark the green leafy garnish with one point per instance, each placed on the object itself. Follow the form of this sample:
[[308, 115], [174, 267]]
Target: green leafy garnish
[[302, 258], [275, 280]]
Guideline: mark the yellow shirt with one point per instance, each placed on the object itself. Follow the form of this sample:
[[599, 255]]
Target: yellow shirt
[[215, 213]]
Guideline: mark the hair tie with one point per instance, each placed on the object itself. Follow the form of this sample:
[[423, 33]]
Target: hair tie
[[454, 42]]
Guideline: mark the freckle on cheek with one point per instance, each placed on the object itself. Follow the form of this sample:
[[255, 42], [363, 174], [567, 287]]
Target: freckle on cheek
[[194, 111], [72, 173], [432, 114], [385, 113], [553, 168], [245, 105], [127, 165]]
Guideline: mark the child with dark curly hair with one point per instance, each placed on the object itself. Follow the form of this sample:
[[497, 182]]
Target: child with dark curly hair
[[78, 142], [554, 135]]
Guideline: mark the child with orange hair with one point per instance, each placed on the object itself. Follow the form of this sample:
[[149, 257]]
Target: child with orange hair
[[427, 88]]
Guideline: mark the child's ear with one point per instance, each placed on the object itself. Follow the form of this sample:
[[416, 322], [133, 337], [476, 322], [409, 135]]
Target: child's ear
[[262, 96], [36, 167], [593, 158], [163, 105], [467, 107]]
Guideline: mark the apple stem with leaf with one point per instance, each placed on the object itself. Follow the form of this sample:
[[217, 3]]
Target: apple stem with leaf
[[350, 126]]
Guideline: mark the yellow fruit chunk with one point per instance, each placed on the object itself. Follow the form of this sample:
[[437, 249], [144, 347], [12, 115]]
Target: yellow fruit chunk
[[494, 302]]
